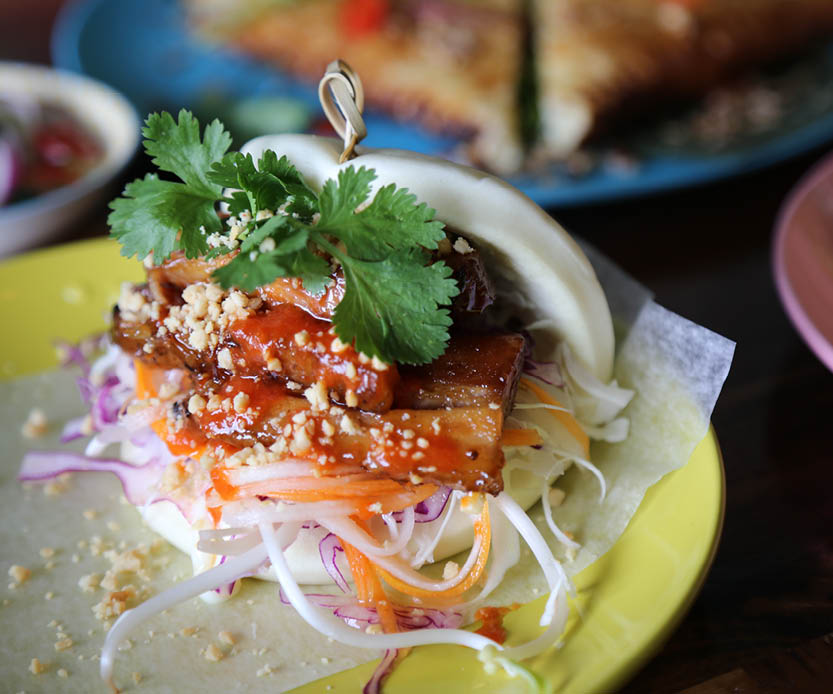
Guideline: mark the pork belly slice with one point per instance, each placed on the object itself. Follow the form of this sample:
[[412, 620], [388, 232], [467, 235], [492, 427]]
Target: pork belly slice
[[476, 370], [166, 282], [284, 342], [468, 270], [458, 447], [308, 351]]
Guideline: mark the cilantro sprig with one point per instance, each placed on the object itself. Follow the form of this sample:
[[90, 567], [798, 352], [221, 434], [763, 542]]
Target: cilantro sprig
[[395, 300]]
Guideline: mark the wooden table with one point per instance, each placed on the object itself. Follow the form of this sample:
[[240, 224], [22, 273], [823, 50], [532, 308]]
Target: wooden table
[[705, 253]]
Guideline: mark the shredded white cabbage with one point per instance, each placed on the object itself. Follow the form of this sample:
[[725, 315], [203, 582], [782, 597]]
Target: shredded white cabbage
[[255, 531]]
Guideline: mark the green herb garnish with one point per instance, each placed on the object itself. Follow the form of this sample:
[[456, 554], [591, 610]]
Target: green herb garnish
[[394, 301]]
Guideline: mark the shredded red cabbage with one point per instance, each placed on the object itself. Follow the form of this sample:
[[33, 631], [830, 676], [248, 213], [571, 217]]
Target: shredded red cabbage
[[138, 482], [383, 669], [227, 589], [73, 354], [328, 548], [349, 609], [73, 429], [547, 371], [431, 508]]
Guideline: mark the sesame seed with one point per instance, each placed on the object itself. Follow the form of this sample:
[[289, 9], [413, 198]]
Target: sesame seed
[[301, 338], [350, 370], [350, 398]]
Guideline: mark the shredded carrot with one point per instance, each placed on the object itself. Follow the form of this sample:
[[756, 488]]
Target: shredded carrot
[[570, 423], [179, 443], [144, 387], [366, 491], [482, 533], [369, 589], [216, 512], [226, 490], [521, 437], [319, 488]]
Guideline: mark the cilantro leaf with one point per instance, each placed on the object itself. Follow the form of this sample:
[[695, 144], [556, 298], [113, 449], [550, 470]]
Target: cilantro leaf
[[248, 273], [303, 200], [391, 307], [394, 302], [176, 147], [395, 214], [290, 257], [392, 221], [238, 203], [289, 236], [273, 183], [149, 218], [313, 270], [338, 201]]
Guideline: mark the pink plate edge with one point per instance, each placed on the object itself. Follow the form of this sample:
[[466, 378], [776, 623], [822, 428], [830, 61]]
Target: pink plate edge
[[820, 344]]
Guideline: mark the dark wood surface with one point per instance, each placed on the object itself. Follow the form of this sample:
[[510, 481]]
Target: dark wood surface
[[705, 253]]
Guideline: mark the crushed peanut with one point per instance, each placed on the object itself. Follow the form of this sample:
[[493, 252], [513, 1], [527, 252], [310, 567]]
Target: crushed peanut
[[19, 574], [213, 653], [36, 424], [450, 570], [36, 667]]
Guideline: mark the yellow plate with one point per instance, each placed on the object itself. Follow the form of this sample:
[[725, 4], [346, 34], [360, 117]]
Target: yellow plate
[[632, 598]]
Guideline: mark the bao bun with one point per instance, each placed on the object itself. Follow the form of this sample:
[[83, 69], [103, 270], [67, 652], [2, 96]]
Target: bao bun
[[551, 282]]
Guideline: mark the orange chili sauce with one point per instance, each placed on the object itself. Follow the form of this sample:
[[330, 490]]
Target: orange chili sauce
[[492, 618]]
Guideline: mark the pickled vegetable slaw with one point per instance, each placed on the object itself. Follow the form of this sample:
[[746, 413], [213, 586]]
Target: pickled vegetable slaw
[[259, 512]]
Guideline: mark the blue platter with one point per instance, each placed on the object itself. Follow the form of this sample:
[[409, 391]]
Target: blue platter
[[142, 48]]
